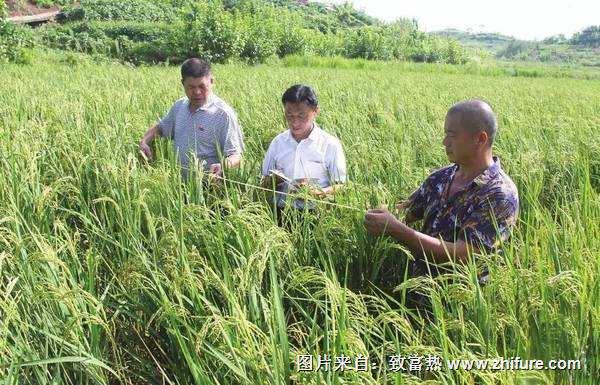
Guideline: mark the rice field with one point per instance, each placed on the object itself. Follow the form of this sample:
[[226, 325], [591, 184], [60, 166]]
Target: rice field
[[113, 271]]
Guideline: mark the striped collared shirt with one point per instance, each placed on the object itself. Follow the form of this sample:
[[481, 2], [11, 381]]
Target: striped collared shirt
[[210, 132]]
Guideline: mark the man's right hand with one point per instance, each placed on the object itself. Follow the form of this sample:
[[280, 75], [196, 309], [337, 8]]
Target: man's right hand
[[145, 151]]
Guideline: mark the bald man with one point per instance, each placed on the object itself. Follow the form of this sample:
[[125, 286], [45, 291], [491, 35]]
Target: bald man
[[468, 206]]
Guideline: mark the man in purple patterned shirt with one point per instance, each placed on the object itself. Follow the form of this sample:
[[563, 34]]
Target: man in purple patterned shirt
[[467, 207]]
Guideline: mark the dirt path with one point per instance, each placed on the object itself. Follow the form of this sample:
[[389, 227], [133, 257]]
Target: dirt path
[[37, 18], [17, 8]]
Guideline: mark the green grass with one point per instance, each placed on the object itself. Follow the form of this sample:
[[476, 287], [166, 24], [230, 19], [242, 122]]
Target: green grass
[[112, 271]]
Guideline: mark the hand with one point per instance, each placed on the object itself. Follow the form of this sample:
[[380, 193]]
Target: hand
[[298, 186], [319, 192], [215, 174], [216, 169], [145, 151], [402, 206], [378, 221]]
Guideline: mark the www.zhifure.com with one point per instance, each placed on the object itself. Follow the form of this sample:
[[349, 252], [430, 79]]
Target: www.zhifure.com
[[430, 363]]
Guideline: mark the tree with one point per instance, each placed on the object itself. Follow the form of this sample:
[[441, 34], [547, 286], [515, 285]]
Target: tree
[[589, 37]]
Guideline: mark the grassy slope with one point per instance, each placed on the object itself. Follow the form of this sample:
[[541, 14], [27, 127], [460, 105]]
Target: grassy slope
[[556, 53], [100, 257], [492, 42]]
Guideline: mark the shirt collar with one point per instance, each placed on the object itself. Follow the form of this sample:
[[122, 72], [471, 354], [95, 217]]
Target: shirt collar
[[489, 173], [209, 102], [315, 133]]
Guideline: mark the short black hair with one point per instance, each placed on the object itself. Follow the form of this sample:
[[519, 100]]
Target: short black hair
[[300, 93], [195, 68], [476, 115]]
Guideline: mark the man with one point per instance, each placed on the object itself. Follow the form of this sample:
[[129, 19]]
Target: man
[[468, 206], [304, 154], [200, 123]]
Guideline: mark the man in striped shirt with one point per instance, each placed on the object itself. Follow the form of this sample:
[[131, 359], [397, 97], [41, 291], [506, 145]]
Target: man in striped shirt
[[200, 124]]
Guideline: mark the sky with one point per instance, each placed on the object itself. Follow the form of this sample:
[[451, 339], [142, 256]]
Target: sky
[[523, 19]]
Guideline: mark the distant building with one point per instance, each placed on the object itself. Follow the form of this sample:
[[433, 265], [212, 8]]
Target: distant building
[[324, 5]]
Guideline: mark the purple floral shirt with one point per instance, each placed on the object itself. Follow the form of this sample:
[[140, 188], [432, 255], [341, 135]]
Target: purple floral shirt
[[482, 214]]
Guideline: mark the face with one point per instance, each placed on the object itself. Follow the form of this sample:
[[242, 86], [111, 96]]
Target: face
[[198, 89], [461, 144], [300, 118]]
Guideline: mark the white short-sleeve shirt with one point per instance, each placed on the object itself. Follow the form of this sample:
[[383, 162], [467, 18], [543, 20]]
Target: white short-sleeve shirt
[[319, 157]]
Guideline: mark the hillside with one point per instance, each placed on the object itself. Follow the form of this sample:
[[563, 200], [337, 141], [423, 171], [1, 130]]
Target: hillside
[[254, 31], [492, 42], [582, 49]]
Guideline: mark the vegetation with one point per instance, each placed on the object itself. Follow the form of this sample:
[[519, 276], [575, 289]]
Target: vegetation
[[144, 31], [114, 271], [589, 37], [15, 42], [492, 42], [485, 68], [582, 49]]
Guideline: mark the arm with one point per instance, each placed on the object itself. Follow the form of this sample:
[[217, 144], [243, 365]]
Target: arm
[[232, 161], [382, 222], [232, 145], [336, 167], [414, 206], [147, 140], [423, 245], [164, 127]]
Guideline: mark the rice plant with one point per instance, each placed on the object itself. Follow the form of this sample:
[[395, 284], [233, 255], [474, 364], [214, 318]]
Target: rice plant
[[115, 271]]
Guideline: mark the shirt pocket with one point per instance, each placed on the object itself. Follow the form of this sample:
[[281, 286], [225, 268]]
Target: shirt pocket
[[313, 167]]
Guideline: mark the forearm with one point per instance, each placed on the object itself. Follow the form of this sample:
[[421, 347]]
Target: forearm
[[151, 134], [423, 245]]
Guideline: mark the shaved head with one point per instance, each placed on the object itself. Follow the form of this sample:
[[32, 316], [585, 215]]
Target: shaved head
[[475, 116]]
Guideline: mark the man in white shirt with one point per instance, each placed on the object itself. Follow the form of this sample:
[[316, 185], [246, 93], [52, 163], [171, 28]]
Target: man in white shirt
[[304, 154]]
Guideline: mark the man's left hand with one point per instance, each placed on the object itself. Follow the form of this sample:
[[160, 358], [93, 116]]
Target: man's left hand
[[216, 169], [215, 174], [378, 221]]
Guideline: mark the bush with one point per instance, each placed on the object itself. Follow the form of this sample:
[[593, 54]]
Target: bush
[[263, 35], [141, 31], [212, 34], [296, 41], [131, 10], [81, 37], [133, 42], [368, 43], [15, 42]]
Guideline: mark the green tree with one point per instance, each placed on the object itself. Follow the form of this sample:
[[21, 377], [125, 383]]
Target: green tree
[[589, 37]]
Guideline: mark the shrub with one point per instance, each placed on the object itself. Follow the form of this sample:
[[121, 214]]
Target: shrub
[[15, 42], [296, 41], [212, 34], [131, 10], [263, 36], [253, 30]]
